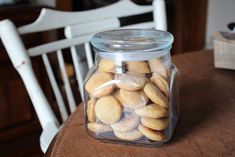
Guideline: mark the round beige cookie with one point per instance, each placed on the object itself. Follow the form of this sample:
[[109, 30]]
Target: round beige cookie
[[108, 110], [138, 67], [133, 99], [100, 84], [107, 65], [151, 134], [130, 81], [161, 83], [154, 94], [132, 135], [152, 111], [129, 121], [91, 110], [117, 96], [155, 124], [156, 65], [99, 127]]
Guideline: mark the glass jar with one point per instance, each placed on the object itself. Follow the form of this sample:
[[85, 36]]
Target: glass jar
[[131, 91]]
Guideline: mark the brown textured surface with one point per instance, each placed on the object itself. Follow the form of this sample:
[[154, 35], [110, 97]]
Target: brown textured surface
[[206, 124]]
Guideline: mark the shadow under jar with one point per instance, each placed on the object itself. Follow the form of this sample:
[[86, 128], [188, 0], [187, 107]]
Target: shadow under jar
[[131, 92]]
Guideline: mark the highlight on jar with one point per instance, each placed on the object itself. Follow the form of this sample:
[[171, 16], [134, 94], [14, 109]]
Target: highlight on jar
[[131, 93]]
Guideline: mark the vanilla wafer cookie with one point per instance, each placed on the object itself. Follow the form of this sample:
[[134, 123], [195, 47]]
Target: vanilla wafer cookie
[[139, 67], [133, 99], [129, 121], [154, 123], [161, 83], [131, 135], [108, 110], [106, 65], [156, 65], [152, 111], [151, 134], [100, 84], [130, 81], [91, 110], [154, 94], [99, 127]]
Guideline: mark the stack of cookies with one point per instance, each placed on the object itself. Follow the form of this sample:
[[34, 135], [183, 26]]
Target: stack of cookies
[[131, 105]]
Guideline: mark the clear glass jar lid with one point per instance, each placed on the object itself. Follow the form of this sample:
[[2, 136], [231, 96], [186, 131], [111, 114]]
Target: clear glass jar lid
[[132, 44]]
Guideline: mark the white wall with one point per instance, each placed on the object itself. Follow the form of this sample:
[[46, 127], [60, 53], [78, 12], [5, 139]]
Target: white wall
[[51, 3], [220, 13]]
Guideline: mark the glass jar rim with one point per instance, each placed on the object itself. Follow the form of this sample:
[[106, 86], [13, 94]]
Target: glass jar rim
[[128, 43]]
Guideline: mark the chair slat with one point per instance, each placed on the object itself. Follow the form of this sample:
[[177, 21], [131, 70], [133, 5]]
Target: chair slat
[[68, 90], [48, 18], [60, 44], [88, 54], [78, 70], [159, 15], [55, 88], [144, 25], [91, 27]]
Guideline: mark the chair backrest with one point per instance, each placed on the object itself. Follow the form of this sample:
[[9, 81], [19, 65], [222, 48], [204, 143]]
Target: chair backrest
[[79, 28]]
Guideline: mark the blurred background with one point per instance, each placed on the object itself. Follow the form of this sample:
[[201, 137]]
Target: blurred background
[[192, 22]]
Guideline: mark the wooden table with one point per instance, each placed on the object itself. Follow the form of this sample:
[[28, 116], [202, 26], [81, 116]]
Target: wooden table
[[206, 124]]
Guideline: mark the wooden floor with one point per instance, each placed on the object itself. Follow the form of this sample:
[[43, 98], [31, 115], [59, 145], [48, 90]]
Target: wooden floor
[[33, 151], [24, 147]]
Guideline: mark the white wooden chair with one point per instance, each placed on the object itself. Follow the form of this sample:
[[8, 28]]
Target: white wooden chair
[[79, 28]]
